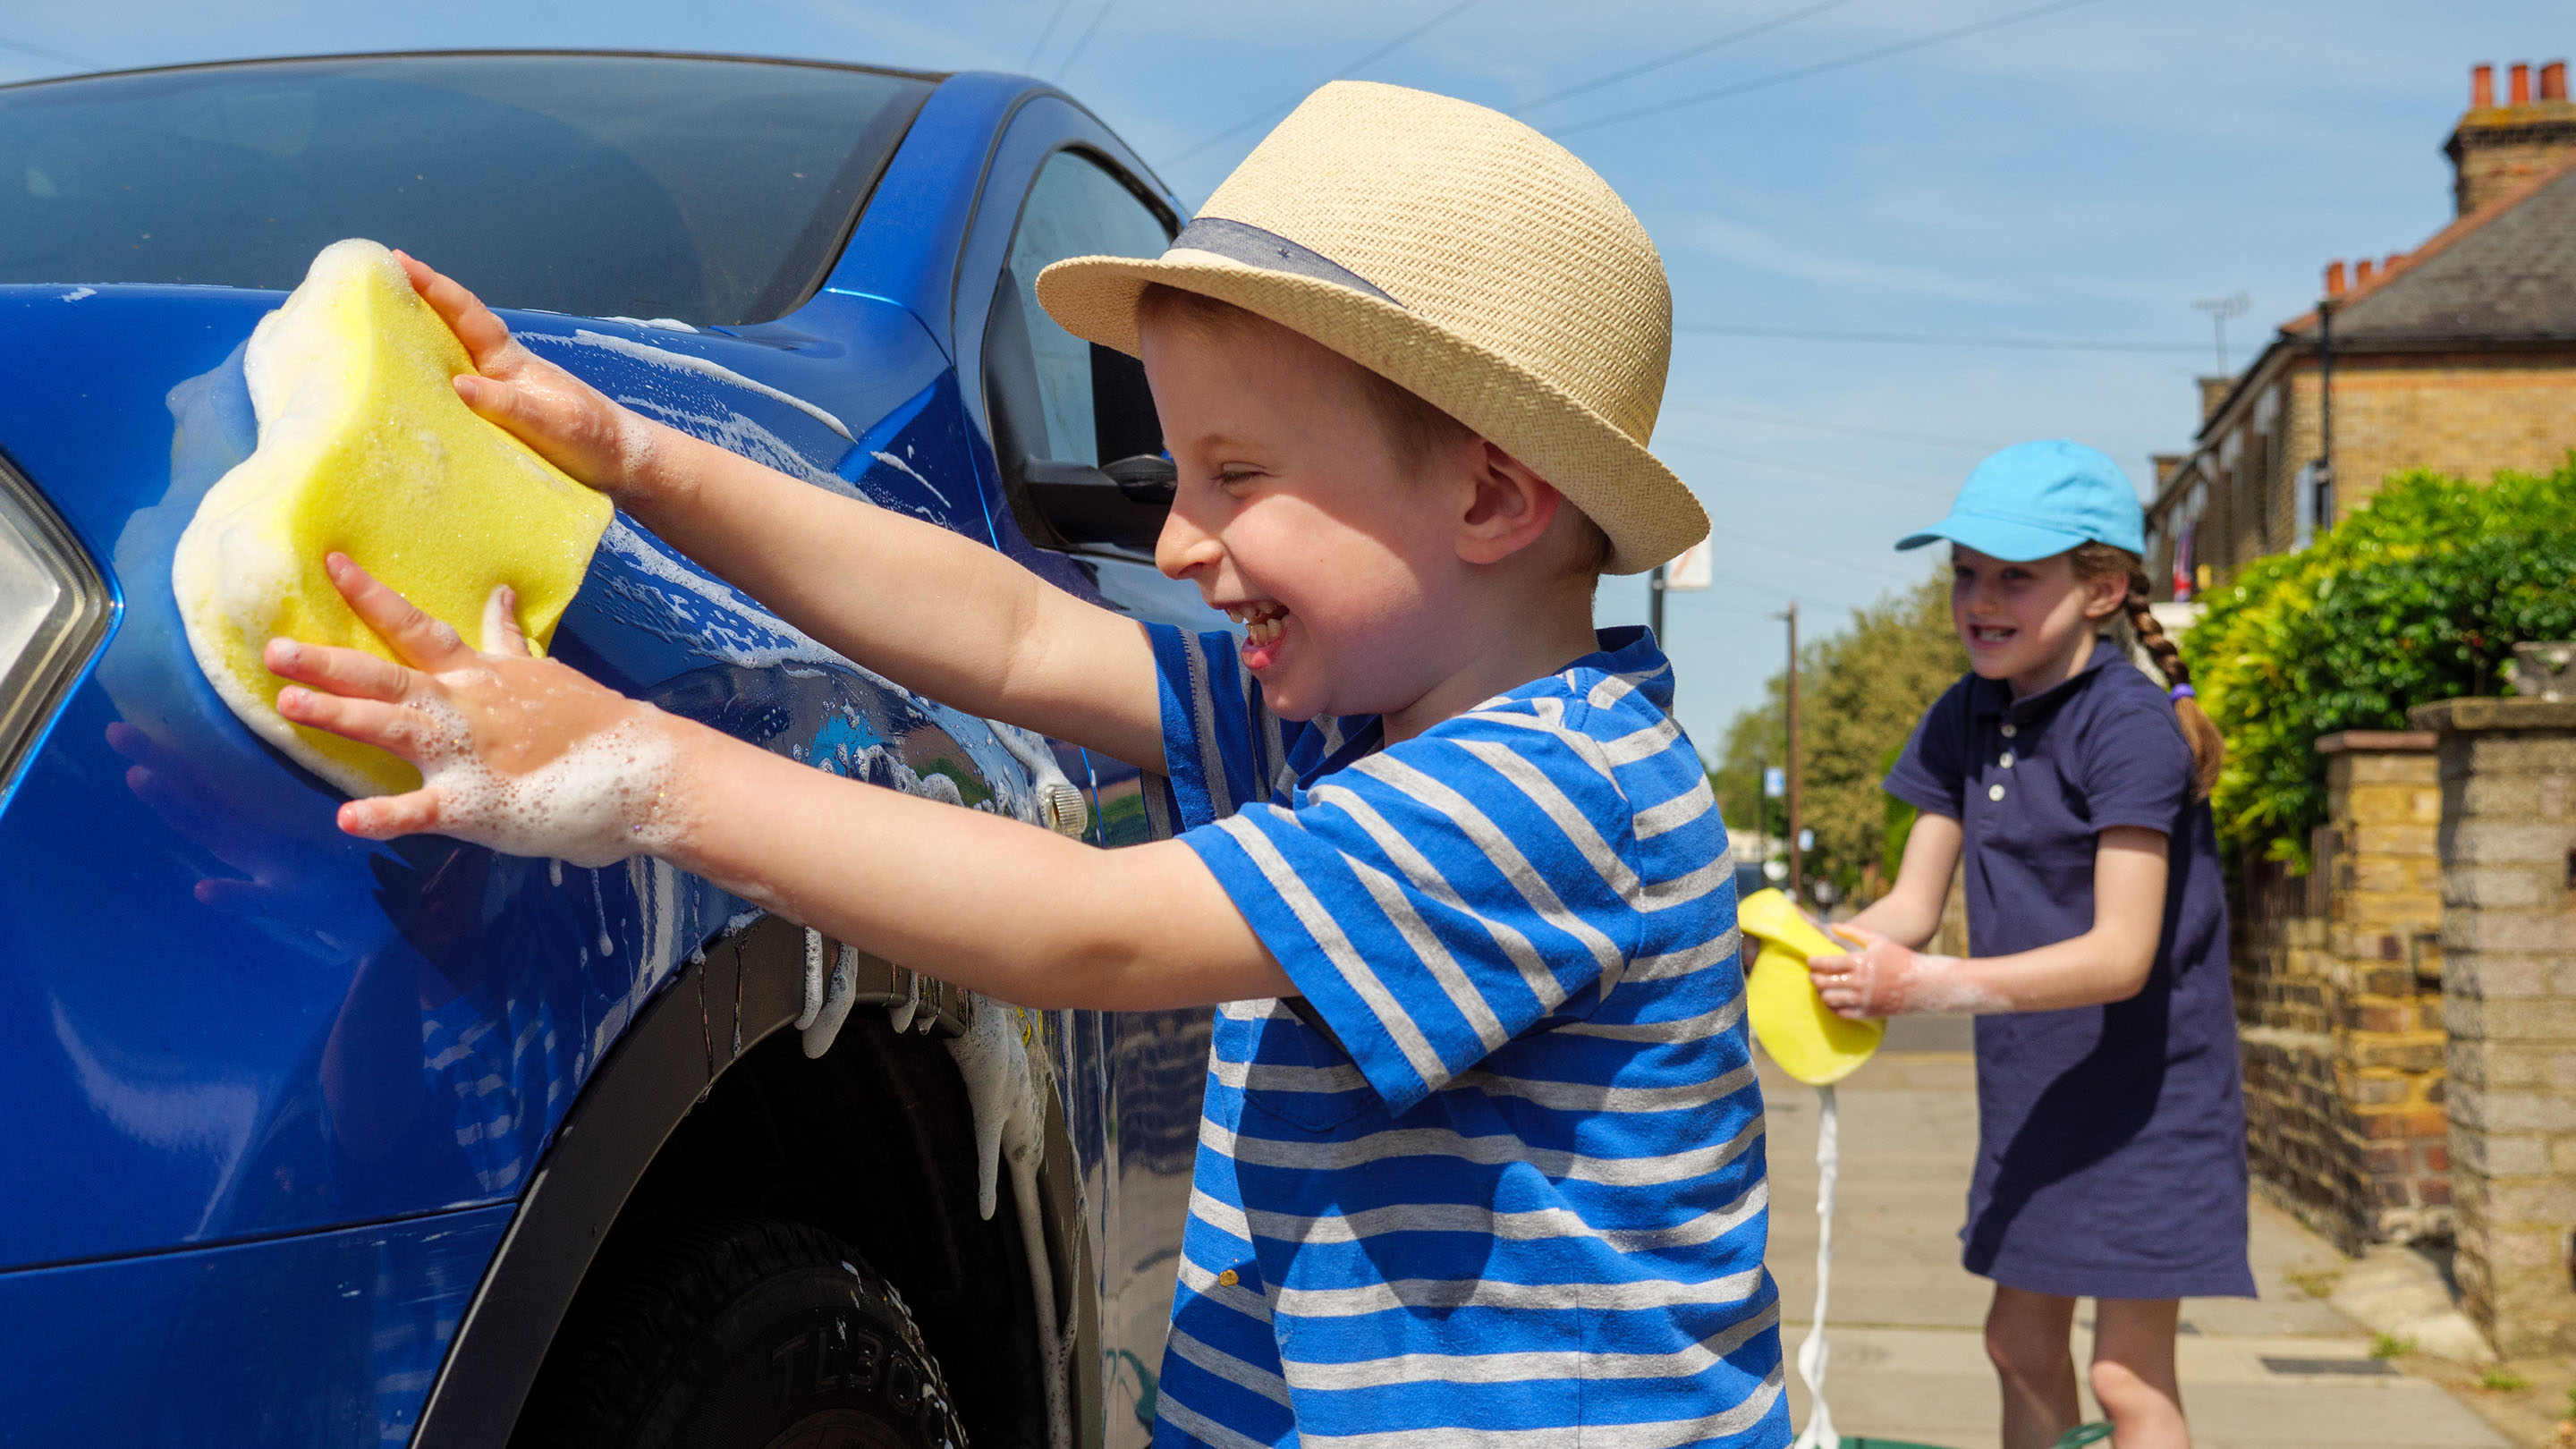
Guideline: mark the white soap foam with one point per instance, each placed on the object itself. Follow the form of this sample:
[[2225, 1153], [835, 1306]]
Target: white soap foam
[[813, 1005], [682, 362], [1938, 984], [826, 1027], [1010, 1127], [899, 1015], [742, 632], [594, 805], [735, 433], [663, 324], [908, 470]]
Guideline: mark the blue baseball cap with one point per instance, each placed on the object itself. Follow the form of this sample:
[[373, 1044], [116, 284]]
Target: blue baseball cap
[[2034, 500]]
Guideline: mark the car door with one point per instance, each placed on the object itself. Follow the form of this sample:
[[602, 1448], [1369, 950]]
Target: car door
[[1077, 462]]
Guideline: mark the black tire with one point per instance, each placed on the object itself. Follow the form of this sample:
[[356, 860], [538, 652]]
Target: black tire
[[738, 1335]]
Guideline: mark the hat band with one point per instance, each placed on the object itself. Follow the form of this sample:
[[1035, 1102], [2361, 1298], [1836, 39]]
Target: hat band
[[1237, 242]]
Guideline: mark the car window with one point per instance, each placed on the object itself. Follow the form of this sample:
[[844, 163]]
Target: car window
[[711, 192], [1076, 208]]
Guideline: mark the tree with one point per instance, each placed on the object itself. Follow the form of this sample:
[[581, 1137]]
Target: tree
[[1861, 692], [2419, 596]]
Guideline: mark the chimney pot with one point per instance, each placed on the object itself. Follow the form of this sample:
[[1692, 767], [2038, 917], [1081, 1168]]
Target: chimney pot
[[2481, 87], [2395, 260], [2553, 81], [2334, 279], [2520, 93], [2362, 272]]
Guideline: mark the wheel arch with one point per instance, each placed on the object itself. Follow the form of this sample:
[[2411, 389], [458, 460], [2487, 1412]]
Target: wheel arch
[[664, 1132]]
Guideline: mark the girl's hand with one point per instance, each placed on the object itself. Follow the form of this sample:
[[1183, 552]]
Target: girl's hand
[[1886, 979], [524, 755], [571, 424]]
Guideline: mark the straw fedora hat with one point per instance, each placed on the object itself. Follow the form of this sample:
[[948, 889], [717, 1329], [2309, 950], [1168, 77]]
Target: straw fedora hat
[[1464, 257]]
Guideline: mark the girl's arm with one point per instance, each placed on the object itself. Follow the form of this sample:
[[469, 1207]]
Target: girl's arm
[[980, 900], [927, 608], [1910, 912], [2110, 962]]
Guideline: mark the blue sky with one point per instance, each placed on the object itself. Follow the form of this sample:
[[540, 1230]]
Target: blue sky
[[2085, 174]]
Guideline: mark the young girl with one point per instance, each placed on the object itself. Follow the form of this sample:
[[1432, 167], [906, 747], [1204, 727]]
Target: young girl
[[2111, 1124]]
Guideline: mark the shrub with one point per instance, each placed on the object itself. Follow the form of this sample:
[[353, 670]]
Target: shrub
[[2418, 596]]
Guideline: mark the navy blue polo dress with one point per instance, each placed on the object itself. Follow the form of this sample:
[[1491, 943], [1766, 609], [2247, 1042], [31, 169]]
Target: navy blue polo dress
[[2111, 1139]]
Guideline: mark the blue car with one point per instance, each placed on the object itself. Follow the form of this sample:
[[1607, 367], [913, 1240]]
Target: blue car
[[313, 1141]]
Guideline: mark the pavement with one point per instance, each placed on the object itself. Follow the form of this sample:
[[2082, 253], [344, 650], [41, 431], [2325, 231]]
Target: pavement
[[2285, 1371]]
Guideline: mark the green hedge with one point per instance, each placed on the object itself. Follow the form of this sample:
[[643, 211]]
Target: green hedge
[[2418, 596]]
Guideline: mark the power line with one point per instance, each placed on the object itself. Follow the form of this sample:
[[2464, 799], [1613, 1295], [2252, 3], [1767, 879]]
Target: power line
[[1768, 547], [1820, 67], [1374, 56], [1847, 475], [60, 57], [1813, 426], [1677, 57], [1088, 31], [1933, 339], [1046, 35]]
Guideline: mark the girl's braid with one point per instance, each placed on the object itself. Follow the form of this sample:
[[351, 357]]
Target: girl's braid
[[2208, 746]]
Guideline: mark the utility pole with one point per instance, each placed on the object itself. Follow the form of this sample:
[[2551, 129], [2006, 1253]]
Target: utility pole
[[2322, 499], [1797, 851]]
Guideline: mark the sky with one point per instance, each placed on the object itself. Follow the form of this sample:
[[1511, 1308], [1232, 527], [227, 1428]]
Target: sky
[[2080, 172]]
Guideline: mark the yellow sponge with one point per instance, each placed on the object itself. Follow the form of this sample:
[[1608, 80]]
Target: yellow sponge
[[1795, 1026], [365, 448]]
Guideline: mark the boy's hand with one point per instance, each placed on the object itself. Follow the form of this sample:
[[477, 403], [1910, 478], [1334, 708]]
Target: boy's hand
[[571, 424], [1886, 979], [524, 755]]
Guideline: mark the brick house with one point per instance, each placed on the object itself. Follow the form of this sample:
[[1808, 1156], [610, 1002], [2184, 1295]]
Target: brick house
[[2459, 356]]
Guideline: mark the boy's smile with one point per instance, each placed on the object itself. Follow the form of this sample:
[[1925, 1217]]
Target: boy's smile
[[1367, 580], [1263, 623]]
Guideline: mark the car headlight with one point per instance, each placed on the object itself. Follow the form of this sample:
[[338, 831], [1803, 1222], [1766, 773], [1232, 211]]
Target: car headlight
[[54, 610]]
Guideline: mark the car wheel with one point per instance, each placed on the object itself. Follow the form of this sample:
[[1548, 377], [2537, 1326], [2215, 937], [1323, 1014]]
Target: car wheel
[[738, 1335]]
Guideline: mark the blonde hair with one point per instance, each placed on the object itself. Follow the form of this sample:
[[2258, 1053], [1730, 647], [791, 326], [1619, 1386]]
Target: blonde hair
[[2095, 560]]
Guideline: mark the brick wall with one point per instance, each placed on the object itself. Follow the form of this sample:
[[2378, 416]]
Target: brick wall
[[2338, 998], [2464, 415], [2499, 149], [2508, 844]]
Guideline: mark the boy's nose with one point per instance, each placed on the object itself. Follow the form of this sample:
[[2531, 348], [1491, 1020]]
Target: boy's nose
[[1183, 548]]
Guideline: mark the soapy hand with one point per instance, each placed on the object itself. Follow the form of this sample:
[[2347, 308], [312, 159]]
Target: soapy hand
[[571, 424], [521, 754], [1886, 979]]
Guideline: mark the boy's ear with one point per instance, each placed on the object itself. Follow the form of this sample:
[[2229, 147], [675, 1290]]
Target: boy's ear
[[1508, 506]]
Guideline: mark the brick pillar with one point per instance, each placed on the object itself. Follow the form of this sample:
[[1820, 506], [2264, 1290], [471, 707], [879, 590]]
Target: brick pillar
[[2508, 839], [2378, 869], [2340, 1014]]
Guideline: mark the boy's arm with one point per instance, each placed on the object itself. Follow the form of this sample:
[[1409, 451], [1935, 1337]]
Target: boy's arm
[[927, 608], [984, 901], [979, 900]]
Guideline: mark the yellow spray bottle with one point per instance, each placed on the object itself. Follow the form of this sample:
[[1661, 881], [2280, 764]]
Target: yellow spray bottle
[[1795, 1026]]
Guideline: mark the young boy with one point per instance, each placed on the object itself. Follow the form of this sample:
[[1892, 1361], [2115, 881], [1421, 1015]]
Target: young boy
[[1483, 1146]]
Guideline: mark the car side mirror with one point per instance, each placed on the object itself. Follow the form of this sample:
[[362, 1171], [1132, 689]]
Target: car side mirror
[[1120, 506], [1061, 504]]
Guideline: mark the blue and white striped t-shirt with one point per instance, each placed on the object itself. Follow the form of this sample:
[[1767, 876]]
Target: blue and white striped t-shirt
[[1514, 1187]]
